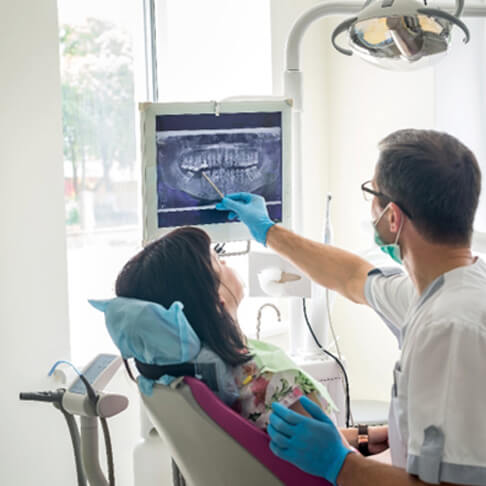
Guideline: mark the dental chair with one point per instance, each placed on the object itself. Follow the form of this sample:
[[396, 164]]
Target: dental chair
[[211, 444]]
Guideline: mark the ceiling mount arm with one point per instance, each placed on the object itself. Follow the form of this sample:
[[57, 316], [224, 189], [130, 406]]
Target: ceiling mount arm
[[447, 16], [459, 7], [342, 27], [298, 30]]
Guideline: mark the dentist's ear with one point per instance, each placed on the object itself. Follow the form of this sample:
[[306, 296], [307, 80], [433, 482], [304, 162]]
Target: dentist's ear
[[394, 217]]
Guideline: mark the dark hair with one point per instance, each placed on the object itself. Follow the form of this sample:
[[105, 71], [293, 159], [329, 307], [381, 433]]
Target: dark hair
[[178, 267], [435, 178]]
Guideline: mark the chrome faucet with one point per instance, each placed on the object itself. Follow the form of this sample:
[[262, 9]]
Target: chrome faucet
[[259, 317]]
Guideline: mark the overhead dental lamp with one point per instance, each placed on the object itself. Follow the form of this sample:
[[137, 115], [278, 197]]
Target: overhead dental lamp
[[400, 34]]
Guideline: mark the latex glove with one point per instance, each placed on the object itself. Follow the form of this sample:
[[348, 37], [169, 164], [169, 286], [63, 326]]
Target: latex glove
[[312, 444], [251, 210]]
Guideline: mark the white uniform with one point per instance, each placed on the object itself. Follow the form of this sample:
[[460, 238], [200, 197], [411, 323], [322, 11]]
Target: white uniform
[[437, 423]]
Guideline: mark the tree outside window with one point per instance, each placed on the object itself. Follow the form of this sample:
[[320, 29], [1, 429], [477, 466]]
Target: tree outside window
[[98, 125]]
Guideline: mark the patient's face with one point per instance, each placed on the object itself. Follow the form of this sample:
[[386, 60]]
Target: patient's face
[[231, 287]]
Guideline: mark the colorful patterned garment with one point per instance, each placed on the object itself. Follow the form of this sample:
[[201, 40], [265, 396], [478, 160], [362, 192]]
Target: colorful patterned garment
[[260, 384]]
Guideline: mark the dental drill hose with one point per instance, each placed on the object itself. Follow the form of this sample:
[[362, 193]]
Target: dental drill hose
[[109, 451], [106, 433], [335, 358], [93, 397], [76, 442]]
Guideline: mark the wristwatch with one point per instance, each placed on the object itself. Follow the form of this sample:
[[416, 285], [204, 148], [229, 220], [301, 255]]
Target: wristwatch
[[363, 440]]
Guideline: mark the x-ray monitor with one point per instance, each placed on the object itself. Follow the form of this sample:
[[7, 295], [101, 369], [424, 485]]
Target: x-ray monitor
[[238, 146]]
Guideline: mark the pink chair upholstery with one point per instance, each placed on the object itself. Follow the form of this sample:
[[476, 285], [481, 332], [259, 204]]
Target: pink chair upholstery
[[253, 439]]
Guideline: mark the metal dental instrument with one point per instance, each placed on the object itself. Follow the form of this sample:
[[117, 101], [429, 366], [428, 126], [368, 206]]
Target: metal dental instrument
[[213, 185]]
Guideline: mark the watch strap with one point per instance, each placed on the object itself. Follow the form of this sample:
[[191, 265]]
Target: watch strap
[[363, 439], [362, 429]]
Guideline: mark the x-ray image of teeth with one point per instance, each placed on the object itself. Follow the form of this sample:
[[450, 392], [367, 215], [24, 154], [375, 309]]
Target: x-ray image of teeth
[[241, 159], [234, 160]]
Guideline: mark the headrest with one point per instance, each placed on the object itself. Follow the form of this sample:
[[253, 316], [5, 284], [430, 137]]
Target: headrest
[[149, 332], [154, 335]]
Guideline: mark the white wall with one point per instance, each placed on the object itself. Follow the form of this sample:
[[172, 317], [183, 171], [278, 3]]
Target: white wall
[[315, 131], [33, 310], [348, 107]]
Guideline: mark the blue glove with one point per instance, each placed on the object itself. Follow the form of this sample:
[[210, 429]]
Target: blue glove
[[251, 209], [313, 444]]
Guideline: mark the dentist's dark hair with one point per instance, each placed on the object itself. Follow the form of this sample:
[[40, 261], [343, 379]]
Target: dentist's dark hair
[[436, 178], [178, 267]]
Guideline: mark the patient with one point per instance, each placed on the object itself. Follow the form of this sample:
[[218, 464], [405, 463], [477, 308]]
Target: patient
[[181, 266]]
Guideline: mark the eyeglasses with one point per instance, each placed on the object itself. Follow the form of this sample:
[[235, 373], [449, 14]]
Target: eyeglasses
[[369, 193]]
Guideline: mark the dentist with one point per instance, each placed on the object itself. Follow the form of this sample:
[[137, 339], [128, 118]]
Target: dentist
[[424, 195]]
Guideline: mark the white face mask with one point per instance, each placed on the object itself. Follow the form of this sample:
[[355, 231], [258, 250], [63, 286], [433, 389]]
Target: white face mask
[[391, 249]]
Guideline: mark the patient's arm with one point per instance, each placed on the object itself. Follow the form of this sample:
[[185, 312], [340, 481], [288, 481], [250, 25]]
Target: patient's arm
[[297, 407]]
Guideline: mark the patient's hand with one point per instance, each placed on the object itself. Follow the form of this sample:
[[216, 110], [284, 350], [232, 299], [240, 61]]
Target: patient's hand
[[377, 439], [297, 406]]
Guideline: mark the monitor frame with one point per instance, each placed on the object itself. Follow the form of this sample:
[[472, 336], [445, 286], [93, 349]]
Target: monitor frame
[[220, 232]]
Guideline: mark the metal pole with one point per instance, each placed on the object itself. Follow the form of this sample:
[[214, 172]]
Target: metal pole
[[150, 50]]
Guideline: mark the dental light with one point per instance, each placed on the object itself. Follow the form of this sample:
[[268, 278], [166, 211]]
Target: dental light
[[400, 34]]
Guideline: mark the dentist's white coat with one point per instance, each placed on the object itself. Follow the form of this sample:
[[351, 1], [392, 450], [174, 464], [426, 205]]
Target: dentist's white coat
[[437, 422]]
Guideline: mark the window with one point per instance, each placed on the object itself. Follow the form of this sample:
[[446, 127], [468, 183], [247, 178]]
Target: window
[[206, 50], [99, 73], [214, 49]]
